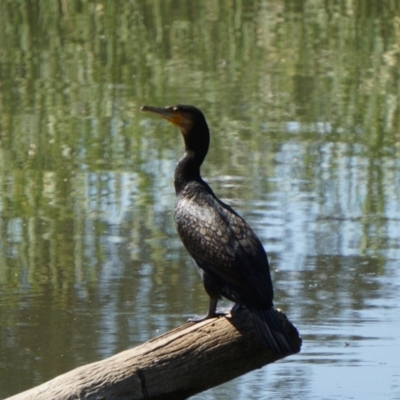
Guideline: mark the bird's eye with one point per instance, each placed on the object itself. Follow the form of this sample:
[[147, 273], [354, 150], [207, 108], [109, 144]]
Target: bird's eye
[[175, 109]]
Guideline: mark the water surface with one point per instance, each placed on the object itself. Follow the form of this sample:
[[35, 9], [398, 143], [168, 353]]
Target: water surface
[[302, 99]]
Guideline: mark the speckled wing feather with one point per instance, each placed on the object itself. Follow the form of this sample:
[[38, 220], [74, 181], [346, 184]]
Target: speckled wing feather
[[222, 243]]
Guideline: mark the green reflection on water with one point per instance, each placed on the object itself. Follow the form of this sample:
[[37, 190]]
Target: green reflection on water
[[302, 99]]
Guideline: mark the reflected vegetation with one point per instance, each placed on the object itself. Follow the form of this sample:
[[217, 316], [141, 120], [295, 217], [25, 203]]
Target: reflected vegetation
[[302, 98]]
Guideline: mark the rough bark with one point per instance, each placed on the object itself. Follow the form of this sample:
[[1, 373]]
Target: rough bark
[[175, 365]]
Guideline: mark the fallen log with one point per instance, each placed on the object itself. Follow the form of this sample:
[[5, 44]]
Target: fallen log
[[178, 364]]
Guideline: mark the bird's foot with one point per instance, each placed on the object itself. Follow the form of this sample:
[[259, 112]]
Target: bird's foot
[[223, 311], [198, 318]]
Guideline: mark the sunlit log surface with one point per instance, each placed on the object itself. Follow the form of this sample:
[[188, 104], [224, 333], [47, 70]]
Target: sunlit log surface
[[175, 365]]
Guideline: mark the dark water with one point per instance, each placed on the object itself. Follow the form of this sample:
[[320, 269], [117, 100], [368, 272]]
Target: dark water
[[303, 101]]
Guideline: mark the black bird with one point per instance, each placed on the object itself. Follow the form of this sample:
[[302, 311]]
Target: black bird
[[231, 257]]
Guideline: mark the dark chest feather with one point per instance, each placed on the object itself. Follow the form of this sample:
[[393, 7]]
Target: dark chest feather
[[215, 234]]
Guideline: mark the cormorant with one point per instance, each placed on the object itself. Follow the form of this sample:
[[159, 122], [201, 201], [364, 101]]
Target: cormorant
[[227, 251]]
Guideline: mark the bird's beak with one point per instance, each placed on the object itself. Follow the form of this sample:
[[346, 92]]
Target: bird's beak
[[174, 117]]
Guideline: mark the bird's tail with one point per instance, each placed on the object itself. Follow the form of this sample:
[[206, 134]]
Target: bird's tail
[[271, 332]]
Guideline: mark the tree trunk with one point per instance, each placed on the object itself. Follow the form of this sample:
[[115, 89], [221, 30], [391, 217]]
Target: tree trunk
[[178, 364]]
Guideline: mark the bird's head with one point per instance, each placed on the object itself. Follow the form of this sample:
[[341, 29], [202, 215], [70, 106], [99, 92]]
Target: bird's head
[[185, 117]]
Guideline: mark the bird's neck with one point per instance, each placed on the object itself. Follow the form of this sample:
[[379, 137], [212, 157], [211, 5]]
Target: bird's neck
[[196, 148], [187, 170], [197, 140]]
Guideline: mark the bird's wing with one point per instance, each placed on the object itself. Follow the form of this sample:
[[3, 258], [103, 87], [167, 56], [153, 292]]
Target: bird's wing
[[223, 243]]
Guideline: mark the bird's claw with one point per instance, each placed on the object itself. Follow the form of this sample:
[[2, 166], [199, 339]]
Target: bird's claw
[[198, 318]]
